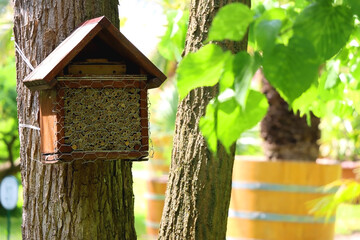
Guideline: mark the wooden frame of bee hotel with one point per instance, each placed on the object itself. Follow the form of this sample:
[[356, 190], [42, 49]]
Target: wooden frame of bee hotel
[[93, 96]]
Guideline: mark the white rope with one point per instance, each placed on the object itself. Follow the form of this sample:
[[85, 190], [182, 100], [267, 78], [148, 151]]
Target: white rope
[[22, 55], [29, 126]]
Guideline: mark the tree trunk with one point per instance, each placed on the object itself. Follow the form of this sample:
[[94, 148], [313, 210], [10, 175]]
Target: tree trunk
[[65, 201], [287, 136], [199, 188]]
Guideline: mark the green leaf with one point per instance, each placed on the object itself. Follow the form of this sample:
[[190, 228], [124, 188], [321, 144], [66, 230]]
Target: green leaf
[[332, 74], [8, 106], [291, 69], [232, 119], [173, 41], [238, 74], [202, 68], [356, 72], [309, 102], [347, 191], [268, 27], [273, 14], [327, 27], [231, 22], [329, 94], [207, 126], [355, 6], [321, 97], [229, 117], [301, 3], [246, 66], [354, 96], [228, 77], [258, 11], [266, 32], [325, 2], [342, 109], [255, 110]]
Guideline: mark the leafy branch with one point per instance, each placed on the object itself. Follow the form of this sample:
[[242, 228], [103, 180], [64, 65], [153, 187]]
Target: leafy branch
[[290, 50]]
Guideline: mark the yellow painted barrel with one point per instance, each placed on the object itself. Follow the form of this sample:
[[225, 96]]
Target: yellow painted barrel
[[155, 197], [269, 200]]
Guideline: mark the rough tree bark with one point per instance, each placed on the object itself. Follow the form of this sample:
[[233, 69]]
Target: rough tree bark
[[199, 188], [287, 136], [65, 201]]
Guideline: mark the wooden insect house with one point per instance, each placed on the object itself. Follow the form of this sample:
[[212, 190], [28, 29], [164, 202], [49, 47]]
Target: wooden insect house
[[93, 96]]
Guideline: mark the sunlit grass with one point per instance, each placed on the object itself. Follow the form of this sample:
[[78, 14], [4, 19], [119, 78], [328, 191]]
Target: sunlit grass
[[15, 231]]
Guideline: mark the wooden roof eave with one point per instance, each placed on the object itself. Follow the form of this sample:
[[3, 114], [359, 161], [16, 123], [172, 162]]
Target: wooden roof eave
[[43, 76], [156, 77]]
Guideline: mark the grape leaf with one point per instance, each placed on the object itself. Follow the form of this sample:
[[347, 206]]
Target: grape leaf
[[231, 23]]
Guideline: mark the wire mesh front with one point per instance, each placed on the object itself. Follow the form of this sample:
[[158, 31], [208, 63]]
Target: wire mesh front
[[98, 118]]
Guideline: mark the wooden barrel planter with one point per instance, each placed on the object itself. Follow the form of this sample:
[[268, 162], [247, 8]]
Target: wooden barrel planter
[[268, 200], [155, 197]]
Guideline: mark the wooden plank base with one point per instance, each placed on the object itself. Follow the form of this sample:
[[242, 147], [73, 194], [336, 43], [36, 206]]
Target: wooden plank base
[[93, 156]]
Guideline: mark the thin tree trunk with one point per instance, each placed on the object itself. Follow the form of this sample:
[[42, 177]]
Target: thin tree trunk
[[65, 201], [9, 147], [199, 188], [287, 136]]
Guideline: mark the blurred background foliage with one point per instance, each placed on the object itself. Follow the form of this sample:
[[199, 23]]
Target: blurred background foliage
[[336, 96], [9, 140]]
